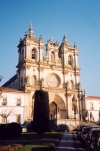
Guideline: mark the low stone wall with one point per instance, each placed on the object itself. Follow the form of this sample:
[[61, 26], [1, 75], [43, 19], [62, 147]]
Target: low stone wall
[[70, 122]]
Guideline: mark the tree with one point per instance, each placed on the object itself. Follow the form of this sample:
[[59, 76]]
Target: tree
[[41, 111], [7, 112]]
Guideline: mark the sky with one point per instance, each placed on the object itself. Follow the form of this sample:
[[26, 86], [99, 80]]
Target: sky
[[79, 19]]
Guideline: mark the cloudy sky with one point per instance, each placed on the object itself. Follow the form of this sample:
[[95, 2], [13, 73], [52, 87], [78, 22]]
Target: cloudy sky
[[79, 19]]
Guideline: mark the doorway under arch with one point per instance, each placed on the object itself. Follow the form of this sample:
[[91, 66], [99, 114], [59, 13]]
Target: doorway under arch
[[57, 108]]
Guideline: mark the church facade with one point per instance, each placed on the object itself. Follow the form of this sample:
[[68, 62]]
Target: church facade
[[57, 72]]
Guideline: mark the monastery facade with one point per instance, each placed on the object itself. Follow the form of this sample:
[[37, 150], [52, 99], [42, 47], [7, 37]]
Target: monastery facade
[[57, 72]]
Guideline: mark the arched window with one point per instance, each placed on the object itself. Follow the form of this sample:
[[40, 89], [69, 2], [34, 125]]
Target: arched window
[[34, 53], [70, 60]]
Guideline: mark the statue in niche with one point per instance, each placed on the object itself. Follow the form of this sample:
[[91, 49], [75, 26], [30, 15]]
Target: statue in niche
[[27, 80], [74, 104], [41, 83], [42, 80], [67, 85], [52, 56], [34, 79], [45, 58]]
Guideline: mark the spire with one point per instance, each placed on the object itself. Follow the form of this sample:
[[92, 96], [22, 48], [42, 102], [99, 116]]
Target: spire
[[65, 39], [40, 38], [75, 45], [84, 92], [30, 32], [31, 29]]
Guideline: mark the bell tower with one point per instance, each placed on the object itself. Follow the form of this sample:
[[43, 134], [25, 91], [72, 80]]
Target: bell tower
[[52, 51], [30, 51]]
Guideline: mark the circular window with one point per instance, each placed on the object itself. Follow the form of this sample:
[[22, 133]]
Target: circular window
[[53, 80]]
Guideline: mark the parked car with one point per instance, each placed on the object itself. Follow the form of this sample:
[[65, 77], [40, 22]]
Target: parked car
[[97, 145], [79, 128], [85, 131], [27, 127], [91, 138], [61, 128]]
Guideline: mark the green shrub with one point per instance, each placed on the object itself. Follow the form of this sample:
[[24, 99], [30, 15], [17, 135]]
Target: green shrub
[[11, 131]]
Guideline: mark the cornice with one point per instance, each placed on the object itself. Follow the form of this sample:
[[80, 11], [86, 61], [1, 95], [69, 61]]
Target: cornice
[[54, 90]]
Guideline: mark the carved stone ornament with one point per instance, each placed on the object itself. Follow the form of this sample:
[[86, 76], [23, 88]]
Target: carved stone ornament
[[41, 47], [28, 90], [53, 67], [65, 72], [56, 50], [69, 94], [67, 85], [41, 69], [45, 58], [26, 66], [78, 74]]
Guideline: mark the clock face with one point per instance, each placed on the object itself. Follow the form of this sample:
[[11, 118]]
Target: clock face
[[52, 80]]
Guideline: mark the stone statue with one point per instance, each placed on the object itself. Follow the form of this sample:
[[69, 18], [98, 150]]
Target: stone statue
[[41, 83], [52, 56], [27, 80], [67, 85], [74, 104], [45, 58]]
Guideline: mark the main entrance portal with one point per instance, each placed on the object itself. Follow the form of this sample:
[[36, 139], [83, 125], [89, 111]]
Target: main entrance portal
[[57, 108]]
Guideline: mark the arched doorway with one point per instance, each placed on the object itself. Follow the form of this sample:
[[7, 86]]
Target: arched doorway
[[57, 108]]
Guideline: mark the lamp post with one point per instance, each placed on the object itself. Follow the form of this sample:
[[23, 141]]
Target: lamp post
[[75, 112], [79, 98], [67, 89]]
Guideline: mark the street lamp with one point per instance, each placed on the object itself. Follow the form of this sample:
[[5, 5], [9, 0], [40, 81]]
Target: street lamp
[[75, 112], [79, 98], [67, 89]]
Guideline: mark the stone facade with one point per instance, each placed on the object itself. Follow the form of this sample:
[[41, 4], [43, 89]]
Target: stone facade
[[13, 103], [57, 72], [93, 108]]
